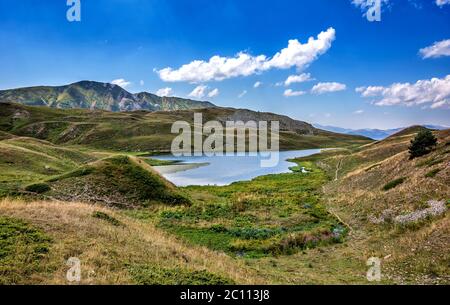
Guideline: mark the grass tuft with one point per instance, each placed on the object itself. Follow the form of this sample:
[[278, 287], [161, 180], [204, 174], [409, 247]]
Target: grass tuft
[[394, 183], [106, 217]]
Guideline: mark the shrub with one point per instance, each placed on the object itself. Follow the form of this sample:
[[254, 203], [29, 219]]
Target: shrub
[[432, 173], [106, 217], [38, 188], [152, 275], [394, 183], [422, 144]]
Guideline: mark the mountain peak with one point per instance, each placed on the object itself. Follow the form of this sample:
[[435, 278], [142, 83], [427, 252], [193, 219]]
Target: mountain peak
[[97, 95]]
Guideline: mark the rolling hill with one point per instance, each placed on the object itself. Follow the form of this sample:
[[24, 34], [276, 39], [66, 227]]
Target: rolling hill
[[96, 95], [147, 131]]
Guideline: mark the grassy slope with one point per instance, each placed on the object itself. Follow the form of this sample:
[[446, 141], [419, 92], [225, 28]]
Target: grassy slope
[[136, 131], [119, 181], [25, 161], [134, 252], [415, 253]]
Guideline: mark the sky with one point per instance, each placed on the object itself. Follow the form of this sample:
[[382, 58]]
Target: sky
[[320, 61]]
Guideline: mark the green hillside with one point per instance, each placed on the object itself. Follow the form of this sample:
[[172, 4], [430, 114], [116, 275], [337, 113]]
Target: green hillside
[[147, 131]]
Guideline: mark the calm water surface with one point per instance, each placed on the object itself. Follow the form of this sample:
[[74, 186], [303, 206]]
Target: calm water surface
[[224, 170]]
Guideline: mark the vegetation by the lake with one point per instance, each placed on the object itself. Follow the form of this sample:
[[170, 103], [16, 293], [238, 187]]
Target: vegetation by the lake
[[270, 215]]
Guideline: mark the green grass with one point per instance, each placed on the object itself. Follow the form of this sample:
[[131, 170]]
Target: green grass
[[257, 218], [155, 162], [150, 275], [22, 247], [394, 183]]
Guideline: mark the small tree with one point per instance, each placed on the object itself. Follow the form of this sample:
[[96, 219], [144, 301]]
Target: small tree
[[422, 144]]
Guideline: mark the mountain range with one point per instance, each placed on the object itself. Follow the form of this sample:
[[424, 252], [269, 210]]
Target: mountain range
[[376, 134], [97, 96]]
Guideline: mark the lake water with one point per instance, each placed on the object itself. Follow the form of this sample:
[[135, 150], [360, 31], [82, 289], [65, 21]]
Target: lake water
[[224, 170]]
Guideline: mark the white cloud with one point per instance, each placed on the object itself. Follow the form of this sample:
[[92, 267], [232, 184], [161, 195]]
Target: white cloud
[[435, 91], [121, 82], [438, 49], [321, 88], [358, 112], [213, 93], [441, 3], [441, 104], [366, 4], [257, 85], [219, 68], [304, 77], [290, 93], [142, 83], [241, 95], [164, 92], [199, 91]]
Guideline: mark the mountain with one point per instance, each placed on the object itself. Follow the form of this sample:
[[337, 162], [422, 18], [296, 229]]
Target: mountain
[[95, 95], [376, 134]]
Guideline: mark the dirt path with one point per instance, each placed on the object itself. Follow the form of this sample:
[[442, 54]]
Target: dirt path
[[338, 167]]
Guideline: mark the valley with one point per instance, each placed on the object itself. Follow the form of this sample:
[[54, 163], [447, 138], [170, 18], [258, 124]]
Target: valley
[[80, 183]]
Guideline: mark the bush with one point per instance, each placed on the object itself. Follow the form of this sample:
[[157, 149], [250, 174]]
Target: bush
[[152, 275], [106, 217], [432, 173], [394, 183], [422, 144], [38, 188]]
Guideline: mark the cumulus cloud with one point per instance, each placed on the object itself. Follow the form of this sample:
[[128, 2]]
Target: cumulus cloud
[[199, 91], [121, 82], [438, 49], [434, 93], [304, 77], [290, 93], [242, 94], [322, 88], [441, 3], [257, 85], [142, 83], [213, 93], [358, 112], [219, 68], [164, 92]]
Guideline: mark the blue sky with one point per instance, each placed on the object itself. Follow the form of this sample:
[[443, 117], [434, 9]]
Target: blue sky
[[134, 39]]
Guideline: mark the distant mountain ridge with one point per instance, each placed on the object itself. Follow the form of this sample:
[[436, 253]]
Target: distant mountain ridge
[[96, 96], [376, 134]]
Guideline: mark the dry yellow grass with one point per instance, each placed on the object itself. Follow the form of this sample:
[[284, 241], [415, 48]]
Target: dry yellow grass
[[105, 250]]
